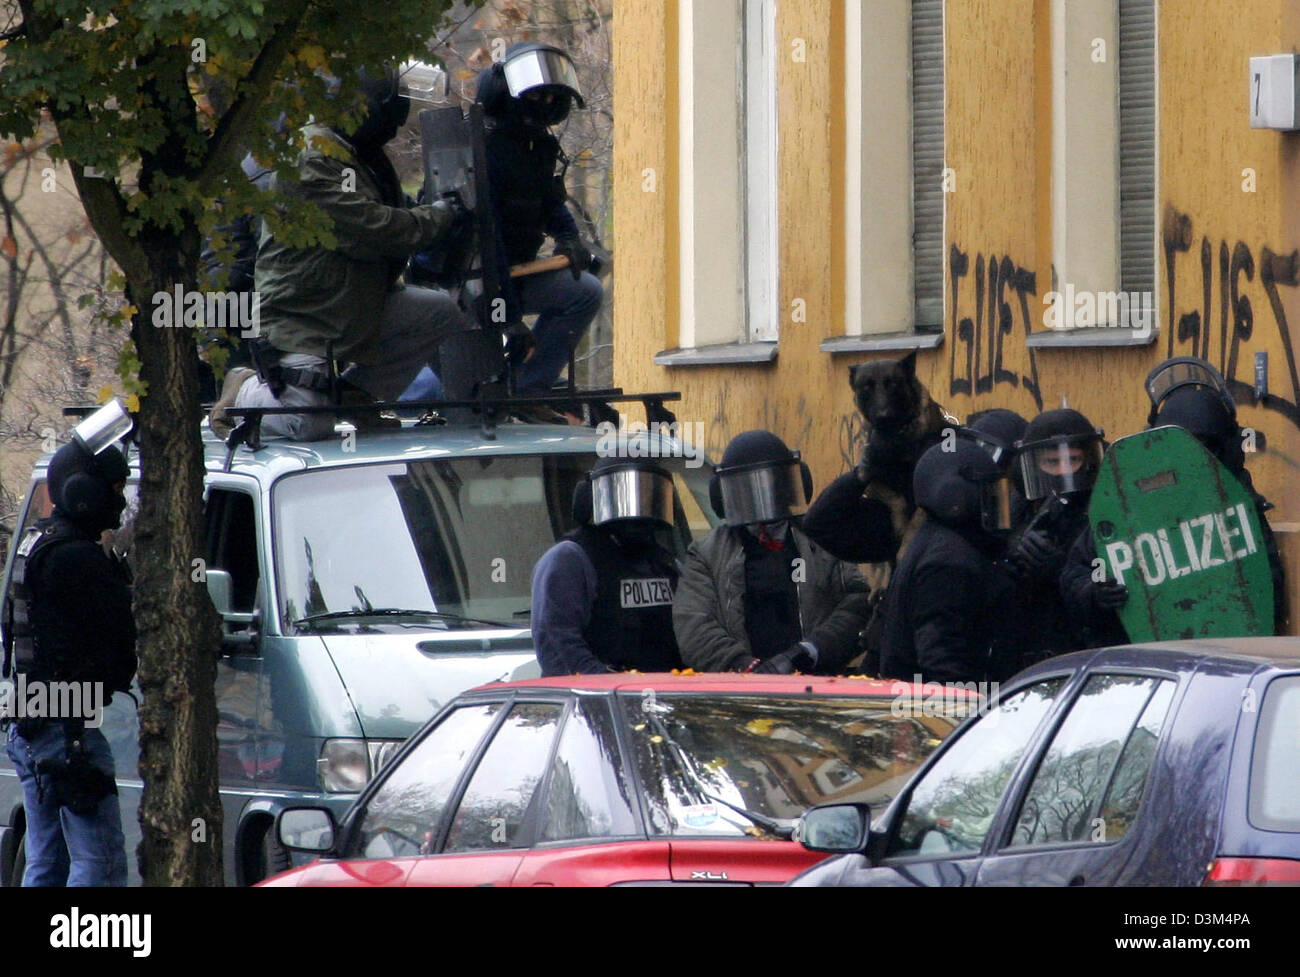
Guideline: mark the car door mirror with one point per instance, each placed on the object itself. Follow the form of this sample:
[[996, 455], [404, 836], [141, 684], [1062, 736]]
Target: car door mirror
[[308, 829], [835, 828], [238, 629]]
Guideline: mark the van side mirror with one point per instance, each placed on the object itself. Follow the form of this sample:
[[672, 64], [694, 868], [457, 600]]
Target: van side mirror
[[835, 828], [237, 628]]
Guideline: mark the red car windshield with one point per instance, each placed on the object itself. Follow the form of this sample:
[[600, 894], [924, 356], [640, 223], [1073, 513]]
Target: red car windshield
[[700, 758]]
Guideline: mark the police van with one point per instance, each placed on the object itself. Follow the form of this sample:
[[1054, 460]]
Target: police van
[[362, 583]]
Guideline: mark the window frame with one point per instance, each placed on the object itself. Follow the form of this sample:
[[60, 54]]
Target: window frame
[[527, 838], [1075, 182], [603, 701], [878, 228], [350, 830], [898, 809], [1013, 810]]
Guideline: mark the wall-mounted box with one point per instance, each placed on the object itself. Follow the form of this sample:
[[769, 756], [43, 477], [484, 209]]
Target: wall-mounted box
[[1273, 94]]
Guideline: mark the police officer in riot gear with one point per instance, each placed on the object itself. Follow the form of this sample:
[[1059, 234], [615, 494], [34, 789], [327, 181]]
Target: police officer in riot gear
[[1186, 392], [523, 95], [757, 594], [1059, 458], [947, 601], [347, 302], [69, 620], [602, 595]]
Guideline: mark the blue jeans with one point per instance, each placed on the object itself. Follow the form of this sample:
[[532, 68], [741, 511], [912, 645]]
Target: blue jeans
[[565, 308], [64, 848]]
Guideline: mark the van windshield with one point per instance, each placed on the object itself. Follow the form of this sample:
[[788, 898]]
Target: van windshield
[[435, 543]]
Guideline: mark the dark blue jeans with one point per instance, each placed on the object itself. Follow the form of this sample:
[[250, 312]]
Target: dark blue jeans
[[64, 848], [565, 308]]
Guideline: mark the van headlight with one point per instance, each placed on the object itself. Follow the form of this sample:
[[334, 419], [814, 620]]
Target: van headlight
[[345, 765]]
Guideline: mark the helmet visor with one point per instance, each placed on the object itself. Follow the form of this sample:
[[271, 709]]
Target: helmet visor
[[631, 493], [102, 428], [762, 493], [1183, 371], [532, 69], [1061, 466], [1000, 503]]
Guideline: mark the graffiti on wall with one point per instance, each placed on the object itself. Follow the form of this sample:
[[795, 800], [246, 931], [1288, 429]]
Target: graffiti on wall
[[1222, 332], [975, 358]]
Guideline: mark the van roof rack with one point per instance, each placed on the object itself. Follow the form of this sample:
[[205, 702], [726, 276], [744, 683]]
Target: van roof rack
[[248, 431]]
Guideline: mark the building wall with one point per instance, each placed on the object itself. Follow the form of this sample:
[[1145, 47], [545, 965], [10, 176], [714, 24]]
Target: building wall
[[1224, 248]]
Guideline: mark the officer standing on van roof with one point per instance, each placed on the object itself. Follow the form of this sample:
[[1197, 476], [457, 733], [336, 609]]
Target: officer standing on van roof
[[69, 621], [602, 595]]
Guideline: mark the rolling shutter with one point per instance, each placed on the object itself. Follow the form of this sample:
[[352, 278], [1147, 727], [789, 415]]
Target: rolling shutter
[[1137, 145], [927, 161]]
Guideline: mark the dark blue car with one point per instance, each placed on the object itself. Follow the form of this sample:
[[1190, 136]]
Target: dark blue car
[[1166, 764]]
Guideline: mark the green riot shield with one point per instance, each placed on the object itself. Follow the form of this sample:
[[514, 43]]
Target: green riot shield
[[1175, 527]]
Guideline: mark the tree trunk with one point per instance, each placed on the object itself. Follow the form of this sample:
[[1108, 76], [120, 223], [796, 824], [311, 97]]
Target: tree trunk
[[179, 631]]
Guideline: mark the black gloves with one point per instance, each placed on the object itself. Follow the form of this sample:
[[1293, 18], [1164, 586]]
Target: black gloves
[[1108, 595], [520, 342], [791, 660], [577, 253], [1034, 554]]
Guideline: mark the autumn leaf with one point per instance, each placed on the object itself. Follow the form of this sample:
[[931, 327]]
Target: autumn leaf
[[313, 55], [133, 403], [9, 246], [104, 394]]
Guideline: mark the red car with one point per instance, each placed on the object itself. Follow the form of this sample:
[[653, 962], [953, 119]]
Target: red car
[[623, 779]]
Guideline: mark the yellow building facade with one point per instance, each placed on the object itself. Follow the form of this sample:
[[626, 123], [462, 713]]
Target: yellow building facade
[[775, 145]]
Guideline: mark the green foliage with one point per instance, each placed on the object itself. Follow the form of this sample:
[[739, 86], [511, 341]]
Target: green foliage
[[138, 89]]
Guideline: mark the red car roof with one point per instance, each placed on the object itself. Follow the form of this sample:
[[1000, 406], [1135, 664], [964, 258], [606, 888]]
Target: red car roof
[[730, 682]]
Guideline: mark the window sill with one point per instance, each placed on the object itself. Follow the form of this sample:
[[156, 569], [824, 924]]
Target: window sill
[[880, 342], [1090, 336], [721, 354]]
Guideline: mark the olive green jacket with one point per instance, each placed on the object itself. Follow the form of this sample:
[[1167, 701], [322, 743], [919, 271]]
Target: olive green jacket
[[314, 295]]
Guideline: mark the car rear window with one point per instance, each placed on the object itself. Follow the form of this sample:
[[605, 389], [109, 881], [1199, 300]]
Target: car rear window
[[700, 757], [1274, 780]]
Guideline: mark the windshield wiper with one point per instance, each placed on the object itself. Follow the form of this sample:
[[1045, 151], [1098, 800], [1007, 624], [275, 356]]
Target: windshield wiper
[[357, 612], [781, 828]]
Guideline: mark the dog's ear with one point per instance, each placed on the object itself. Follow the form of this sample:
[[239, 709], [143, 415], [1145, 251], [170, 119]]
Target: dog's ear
[[853, 376], [907, 365]]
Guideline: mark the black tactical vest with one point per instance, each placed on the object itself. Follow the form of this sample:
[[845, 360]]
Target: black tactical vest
[[632, 620], [20, 641]]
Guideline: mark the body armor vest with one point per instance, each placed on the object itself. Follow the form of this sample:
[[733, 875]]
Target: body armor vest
[[20, 640], [632, 619]]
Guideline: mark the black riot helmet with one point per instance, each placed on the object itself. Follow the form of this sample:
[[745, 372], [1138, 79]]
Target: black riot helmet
[[997, 430], [83, 475], [534, 84], [759, 480], [1180, 372], [386, 108], [1060, 454], [625, 493], [1202, 413], [83, 486], [949, 481]]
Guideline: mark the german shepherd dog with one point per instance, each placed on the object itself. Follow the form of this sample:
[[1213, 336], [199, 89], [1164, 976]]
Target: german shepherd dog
[[902, 421]]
